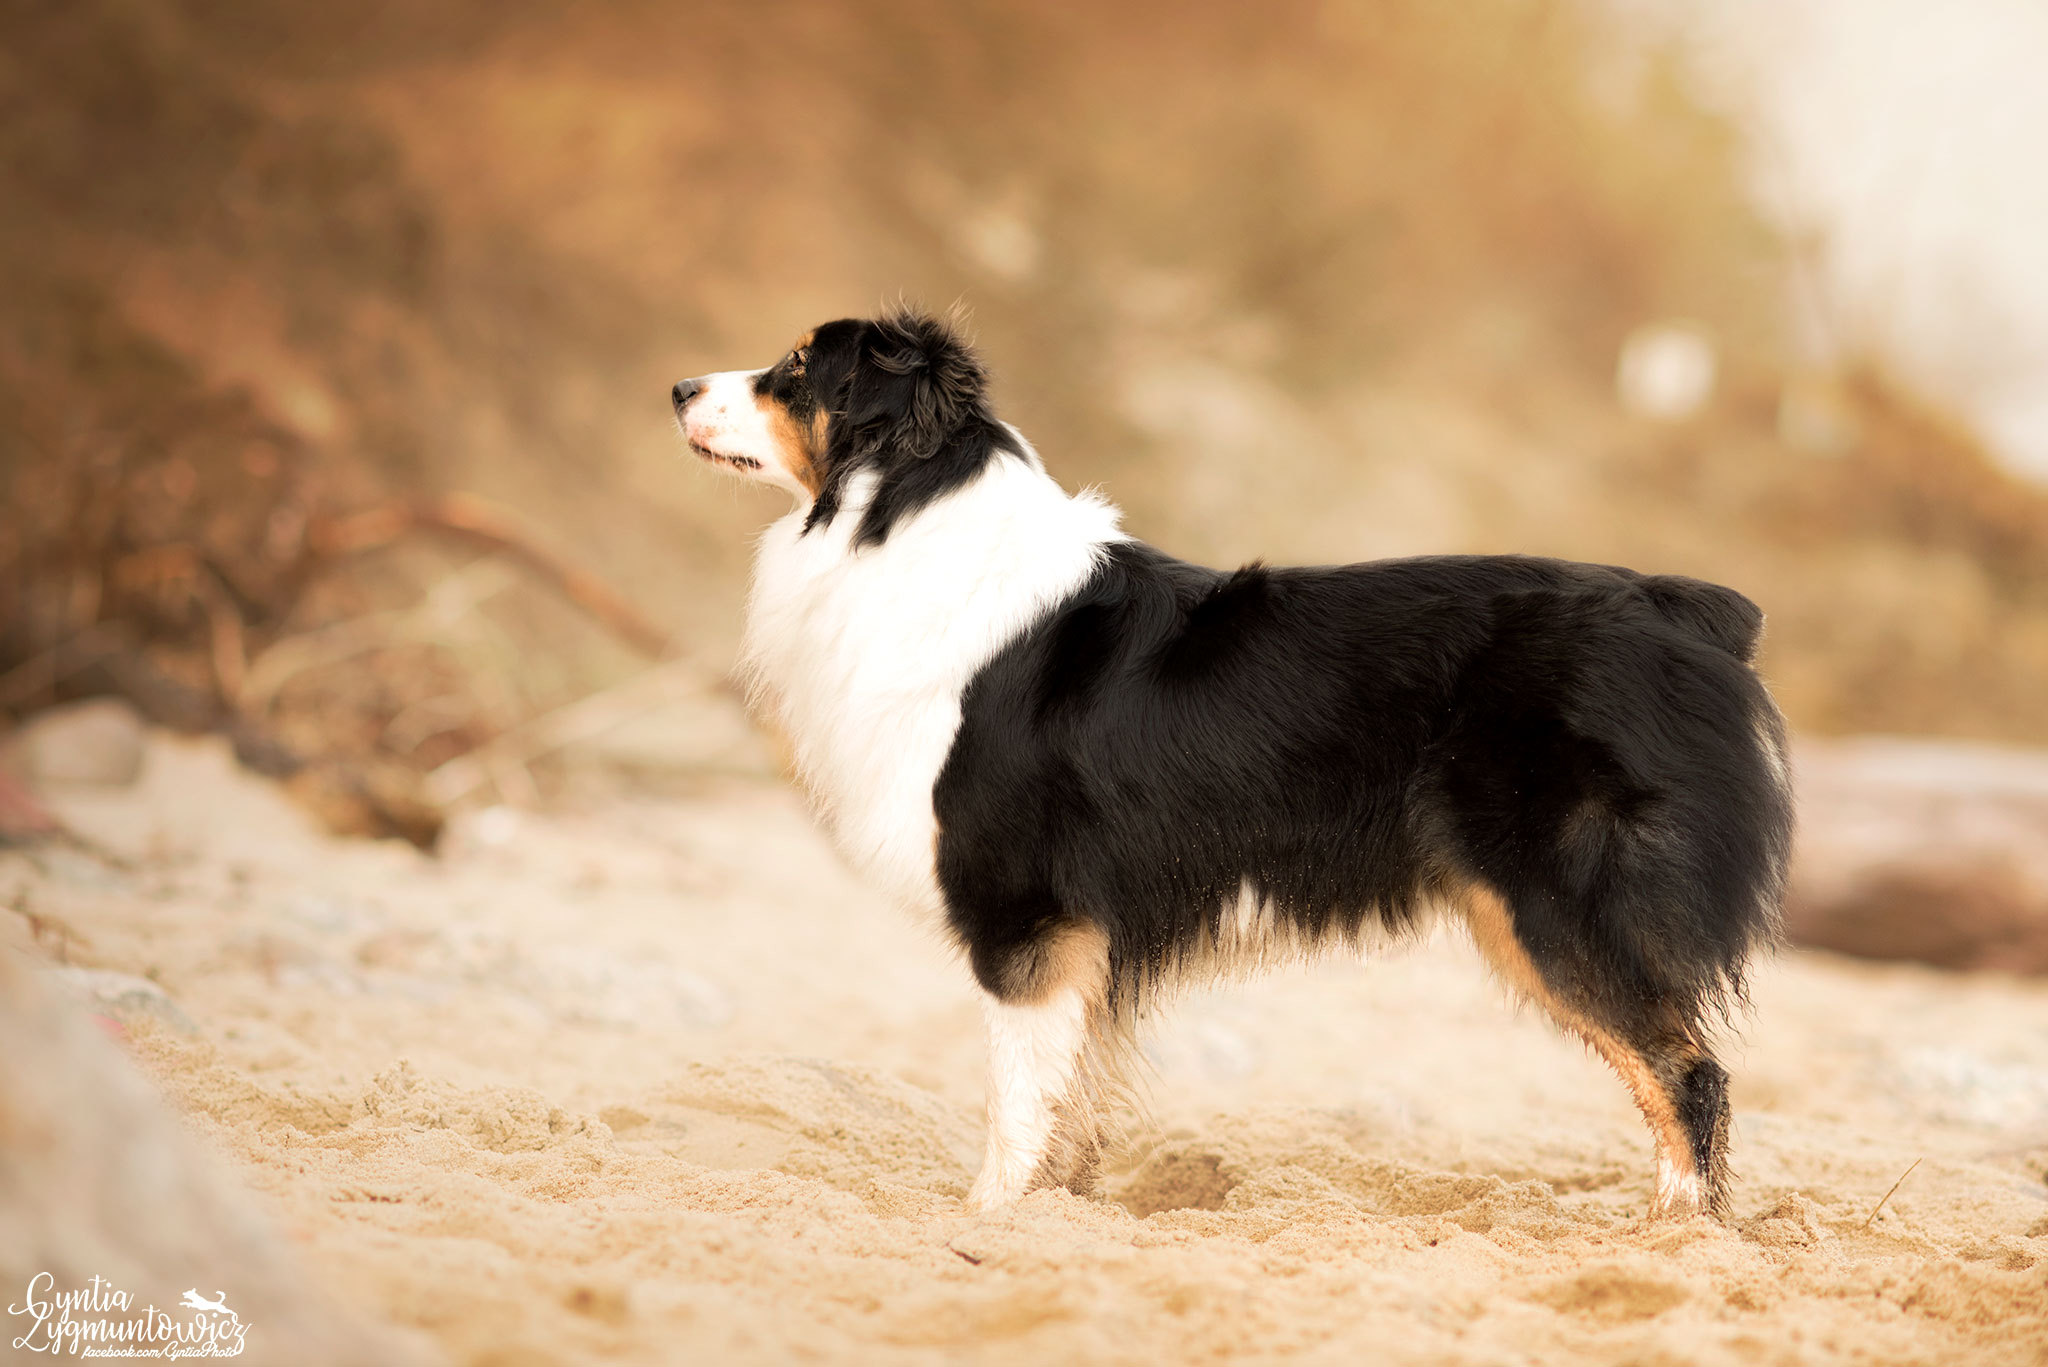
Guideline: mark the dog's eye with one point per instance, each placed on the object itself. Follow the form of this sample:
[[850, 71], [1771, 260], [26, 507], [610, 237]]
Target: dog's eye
[[797, 361]]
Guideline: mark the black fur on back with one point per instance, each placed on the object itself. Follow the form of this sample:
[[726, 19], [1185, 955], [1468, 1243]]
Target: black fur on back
[[1351, 742], [907, 399]]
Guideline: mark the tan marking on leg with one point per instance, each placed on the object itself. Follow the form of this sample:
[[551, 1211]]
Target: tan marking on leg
[[1075, 955], [1492, 927]]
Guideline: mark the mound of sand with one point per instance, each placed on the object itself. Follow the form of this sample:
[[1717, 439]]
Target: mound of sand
[[99, 1185], [657, 1081]]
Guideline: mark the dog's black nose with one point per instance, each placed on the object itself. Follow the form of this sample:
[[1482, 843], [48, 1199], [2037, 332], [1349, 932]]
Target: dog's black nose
[[686, 391]]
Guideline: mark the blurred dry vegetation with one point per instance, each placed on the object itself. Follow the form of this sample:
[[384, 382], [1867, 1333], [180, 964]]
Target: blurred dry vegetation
[[1306, 281]]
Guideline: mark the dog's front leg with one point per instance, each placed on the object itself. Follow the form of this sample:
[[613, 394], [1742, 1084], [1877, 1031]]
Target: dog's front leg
[[1034, 1097]]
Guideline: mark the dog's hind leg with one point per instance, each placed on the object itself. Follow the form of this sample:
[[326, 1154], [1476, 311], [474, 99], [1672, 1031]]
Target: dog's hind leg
[[1048, 1043], [1659, 1053]]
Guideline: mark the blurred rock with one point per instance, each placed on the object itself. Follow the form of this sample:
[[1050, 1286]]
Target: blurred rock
[[126, 997], [192, 796], [1931, 851], [22, 818], [97, 743]]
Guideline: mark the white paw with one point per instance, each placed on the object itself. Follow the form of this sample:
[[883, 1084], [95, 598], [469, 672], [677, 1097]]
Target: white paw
[[1678, 1191], [992, 1190]]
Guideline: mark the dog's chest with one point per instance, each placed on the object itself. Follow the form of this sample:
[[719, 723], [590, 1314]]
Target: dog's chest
[[870, 703], [862, 656]]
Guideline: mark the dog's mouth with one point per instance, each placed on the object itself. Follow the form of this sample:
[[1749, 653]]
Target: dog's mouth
[[720, 458]]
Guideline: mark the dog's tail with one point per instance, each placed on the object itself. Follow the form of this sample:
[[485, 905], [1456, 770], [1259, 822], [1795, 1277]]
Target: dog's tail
[[1722, 617]]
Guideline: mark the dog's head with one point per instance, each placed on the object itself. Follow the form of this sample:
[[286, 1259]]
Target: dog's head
[[901, 396]]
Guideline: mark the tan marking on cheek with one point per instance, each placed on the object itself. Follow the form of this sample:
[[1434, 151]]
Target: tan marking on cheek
[[792, 443]]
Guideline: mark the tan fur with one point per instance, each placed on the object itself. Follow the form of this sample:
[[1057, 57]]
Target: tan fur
[[796, 440], [1076, 955], [802, 444], [1492, 927]]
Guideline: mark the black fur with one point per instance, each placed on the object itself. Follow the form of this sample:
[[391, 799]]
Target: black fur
[[906, 399], [1351, 741], [1702, 1103]]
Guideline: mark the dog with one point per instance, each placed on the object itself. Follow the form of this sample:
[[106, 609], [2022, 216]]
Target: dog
[[1106, 772]]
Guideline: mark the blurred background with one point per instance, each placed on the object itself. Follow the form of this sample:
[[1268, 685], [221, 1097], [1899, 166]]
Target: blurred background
[[335, 353], [337, 340]]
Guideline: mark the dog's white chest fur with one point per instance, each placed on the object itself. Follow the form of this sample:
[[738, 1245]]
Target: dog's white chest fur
[[862, 655]]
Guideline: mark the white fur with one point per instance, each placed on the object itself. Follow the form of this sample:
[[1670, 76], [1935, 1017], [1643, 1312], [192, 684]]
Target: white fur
[[1251, 937], [1678, 1185], [1034, 1054], [1771, 741], [862, 655], [728, 419]]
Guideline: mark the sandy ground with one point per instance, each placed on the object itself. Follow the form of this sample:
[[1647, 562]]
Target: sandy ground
[[656, 1080]]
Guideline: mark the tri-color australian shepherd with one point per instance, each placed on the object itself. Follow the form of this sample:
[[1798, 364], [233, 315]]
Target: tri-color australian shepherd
[[1106, 771]]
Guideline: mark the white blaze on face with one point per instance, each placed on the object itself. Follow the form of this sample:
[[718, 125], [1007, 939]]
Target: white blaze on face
[[731, 426]]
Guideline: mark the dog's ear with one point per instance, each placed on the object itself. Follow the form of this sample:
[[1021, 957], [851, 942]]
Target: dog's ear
[[933, 382]]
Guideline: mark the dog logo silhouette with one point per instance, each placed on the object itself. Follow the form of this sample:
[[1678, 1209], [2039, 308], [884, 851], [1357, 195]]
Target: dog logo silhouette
[[219, 1304]]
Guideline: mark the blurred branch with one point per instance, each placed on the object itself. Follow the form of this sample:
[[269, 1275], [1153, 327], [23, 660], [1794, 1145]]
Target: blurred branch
[[226, 635], [471, 519], [502, 762], [443, 604], [42, 672]]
